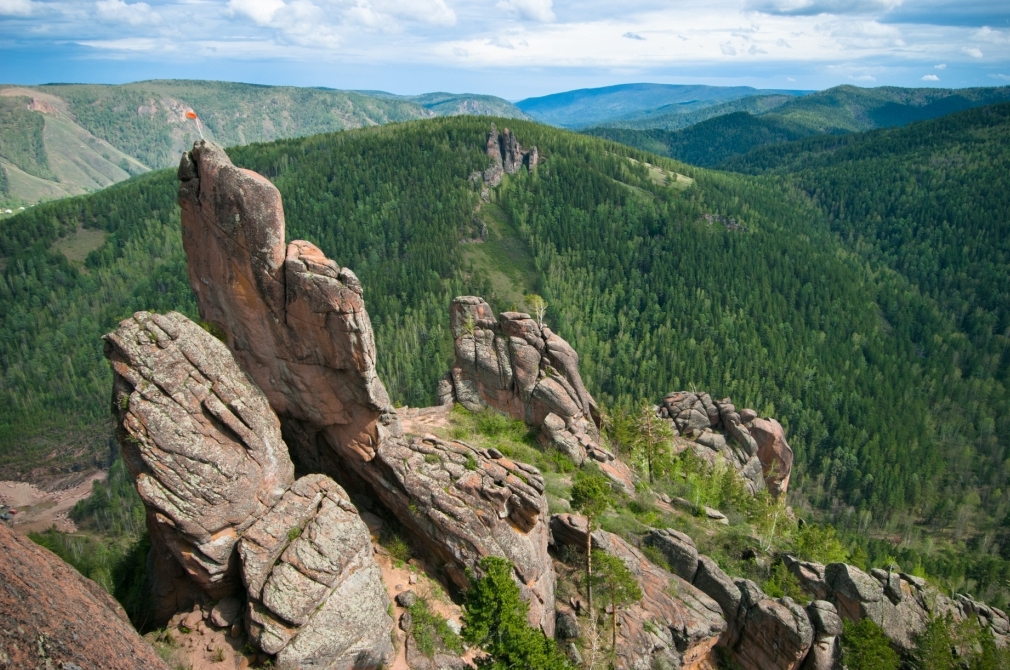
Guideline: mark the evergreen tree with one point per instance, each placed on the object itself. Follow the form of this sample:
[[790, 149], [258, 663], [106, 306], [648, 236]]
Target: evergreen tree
[[616, 586], [865, 647], [494, 619], [592, 495]]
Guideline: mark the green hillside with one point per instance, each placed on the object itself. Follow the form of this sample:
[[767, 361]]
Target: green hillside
[[718, 133], [712, 141], [77, 138], [588, 107], [892, 391]]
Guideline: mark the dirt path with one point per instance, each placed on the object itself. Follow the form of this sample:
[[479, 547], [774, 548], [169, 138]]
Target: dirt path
[[39, 510]]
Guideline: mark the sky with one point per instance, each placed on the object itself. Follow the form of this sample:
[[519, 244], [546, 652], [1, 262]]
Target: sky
[[510, 48]]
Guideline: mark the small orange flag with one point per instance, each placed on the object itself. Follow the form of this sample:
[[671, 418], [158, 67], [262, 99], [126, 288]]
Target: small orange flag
[[190, 114]]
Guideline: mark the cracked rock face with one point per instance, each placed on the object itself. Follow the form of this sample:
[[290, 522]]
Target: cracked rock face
[[520, 367], [201, 442], [55, 618], [461, 504], [297, 323], [316, 597], [900, 603], [674, 625], [755, 447], [294, 319]]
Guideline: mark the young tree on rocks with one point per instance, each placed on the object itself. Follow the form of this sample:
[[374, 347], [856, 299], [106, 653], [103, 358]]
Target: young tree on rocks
[[653, 437], [616, 585], [494, 620], [592, 495], [538, 306]]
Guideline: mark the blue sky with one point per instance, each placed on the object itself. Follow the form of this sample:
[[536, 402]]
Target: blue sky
[[510, 48]]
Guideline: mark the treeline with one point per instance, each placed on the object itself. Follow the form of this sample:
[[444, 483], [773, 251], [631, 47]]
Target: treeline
[[21, 141]]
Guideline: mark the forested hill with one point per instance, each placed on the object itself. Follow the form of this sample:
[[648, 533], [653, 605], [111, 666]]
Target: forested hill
[[66, 139], [893, 405]]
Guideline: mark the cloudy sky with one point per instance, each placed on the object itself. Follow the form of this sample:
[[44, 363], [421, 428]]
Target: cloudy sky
[[510, 48]]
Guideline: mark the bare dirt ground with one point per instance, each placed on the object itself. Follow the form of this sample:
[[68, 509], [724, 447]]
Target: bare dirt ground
[[40, 509], [422, 420]]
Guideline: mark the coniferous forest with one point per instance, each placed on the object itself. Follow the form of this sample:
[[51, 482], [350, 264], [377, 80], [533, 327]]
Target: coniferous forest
[[853, 287]]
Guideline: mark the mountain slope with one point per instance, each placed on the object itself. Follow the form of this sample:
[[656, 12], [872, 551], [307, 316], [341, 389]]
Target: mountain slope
[[594, 106], [675, 117], [710, 142], [98, 135]]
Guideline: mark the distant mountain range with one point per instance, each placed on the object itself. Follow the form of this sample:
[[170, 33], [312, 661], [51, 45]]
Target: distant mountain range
[[59, 140], [627, 102], [717, 133]]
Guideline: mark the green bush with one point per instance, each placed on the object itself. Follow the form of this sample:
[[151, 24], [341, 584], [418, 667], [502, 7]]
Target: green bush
[[865, 647]]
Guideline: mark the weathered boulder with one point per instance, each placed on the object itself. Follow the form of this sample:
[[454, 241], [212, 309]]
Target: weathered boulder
[[674, 625], [461, 504], [297, 323], [202, 444], [826, 651], [520, 367], [774, 452], [713, 429], [55, 618], [899, 603], [294, 319], [678, 549], [774, 634], [316, 597]]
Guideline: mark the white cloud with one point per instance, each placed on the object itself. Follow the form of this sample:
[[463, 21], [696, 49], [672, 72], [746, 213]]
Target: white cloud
[[1000, 76], [136, 14], [941, 66], [727, 49], [260, 11], [930, 77], [816, 7], [863, 77], [633, 36], [754, 50], [501, 42], [16, 7], [530, 10], [973, 52]]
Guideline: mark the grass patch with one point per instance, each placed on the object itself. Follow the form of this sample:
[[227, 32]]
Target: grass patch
[[431, 631]]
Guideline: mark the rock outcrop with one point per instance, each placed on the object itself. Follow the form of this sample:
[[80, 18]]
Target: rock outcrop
[[755, 447], [206, 452], [762, 632], [461, 504], [316, 597], [901, 604], [55, 618], [507, 156], [520, 367], [675, 624], [297, 323], [203, 446]]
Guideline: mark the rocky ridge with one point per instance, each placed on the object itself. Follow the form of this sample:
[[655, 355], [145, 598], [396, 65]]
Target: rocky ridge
[[519, 366], [755, 447], [296, 322]]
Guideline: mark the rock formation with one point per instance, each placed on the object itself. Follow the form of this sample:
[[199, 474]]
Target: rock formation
[[900, 603], [297, 323], [762, 633], [507, 156], [756, 448], [206, 452], [315, 592], [55, 618], [675, 624], [520, 367], [203, 446]]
